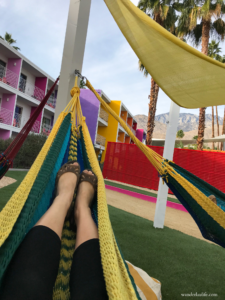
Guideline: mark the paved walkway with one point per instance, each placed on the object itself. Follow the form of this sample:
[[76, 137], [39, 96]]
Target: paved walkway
[[175, 219]]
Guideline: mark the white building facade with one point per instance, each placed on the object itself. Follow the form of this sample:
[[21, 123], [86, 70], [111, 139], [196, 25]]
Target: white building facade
[[22, 87]]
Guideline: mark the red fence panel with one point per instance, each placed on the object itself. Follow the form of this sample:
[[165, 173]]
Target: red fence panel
[[126, 163]]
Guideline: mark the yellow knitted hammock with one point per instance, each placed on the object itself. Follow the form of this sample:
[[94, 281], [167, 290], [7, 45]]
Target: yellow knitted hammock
[[70, 140]]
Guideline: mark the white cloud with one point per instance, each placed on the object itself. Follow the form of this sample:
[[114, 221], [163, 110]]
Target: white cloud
[[3, 3], [109, 62], [135, 1]]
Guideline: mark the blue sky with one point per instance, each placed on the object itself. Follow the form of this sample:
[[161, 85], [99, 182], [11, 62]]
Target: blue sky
[[109, 62]]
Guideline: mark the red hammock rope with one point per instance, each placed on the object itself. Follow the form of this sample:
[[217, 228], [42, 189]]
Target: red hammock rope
[[9, 154]]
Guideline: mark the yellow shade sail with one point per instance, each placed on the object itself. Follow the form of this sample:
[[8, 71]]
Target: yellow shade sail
[[188, 77]]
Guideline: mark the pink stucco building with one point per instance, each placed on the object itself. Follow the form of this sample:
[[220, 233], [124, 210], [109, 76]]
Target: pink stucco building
[[22, 86]]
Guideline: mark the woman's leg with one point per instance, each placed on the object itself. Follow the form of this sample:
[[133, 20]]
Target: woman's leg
[[86, 278], [34, 267]]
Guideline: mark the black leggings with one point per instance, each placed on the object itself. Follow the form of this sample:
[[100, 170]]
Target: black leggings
[[33, 270]]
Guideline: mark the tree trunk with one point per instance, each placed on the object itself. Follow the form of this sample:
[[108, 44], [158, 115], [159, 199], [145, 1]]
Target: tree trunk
[[218, 128], [213, 132], [201, 125], [153, 99], [224, 122], [150, 124], [223, 129], [201, 128], [205, 36]]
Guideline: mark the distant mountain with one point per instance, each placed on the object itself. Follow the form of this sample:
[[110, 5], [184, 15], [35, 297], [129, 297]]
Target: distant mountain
[[187, 122], [160, 128]]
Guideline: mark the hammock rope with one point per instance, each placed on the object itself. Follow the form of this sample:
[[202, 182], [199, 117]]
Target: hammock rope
[[6, 158], [168, 172], [70, 140]]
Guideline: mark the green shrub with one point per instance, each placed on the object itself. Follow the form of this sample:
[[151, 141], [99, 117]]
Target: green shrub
[[28, 152]]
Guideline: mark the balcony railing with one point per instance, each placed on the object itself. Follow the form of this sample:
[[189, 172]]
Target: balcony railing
[[51, 101], [8, 77], [103, 115], [6, 116], [46, 129], [31, 90], [100, 140], [133, 131], [35, 128]]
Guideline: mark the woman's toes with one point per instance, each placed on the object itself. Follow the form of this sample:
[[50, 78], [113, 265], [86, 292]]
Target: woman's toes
[[67, 182]]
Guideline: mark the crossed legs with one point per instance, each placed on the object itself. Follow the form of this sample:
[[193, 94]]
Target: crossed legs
[[33, 270]]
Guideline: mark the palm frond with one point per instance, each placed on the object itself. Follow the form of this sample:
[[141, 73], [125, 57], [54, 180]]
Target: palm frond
[[218, 29], [17, 48], [142, 68]]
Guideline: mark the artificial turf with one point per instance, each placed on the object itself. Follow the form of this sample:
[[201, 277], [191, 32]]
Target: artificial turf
[[183, 264], [137, 190], [7, 191]]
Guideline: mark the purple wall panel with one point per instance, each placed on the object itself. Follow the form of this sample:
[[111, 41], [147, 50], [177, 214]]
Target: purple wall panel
[[139, 134], [90, 107], [13, 71], [41, 83], [40, 87], [4, 134], [7, 108], [36, 126]]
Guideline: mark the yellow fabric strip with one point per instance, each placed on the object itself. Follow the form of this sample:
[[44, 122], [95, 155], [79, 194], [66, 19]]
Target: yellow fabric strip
[[147, 291], [188, 77], [12, 209], [211, 208], [117, 280], [163, 167]]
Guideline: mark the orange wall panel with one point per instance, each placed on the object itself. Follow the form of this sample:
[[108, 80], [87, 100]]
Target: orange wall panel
[[110, 132], [123, 115], [129, 121]]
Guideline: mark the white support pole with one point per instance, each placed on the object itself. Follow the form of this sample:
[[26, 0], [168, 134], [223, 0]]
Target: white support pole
[[73, 53], [160, 210]]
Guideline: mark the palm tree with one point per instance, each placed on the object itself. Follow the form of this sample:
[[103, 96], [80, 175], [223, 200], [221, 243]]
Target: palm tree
[[164, 14], [8, 38], [218, 126], [213, 132], [223, 129], [198, 21], [214, 52], [152, 105]]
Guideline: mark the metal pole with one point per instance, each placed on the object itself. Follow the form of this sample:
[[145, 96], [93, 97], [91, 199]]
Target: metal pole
[[160, 210], [73, 53]]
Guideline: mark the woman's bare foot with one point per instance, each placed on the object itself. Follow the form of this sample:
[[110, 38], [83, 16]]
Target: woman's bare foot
[[86, 227], [84, 197], [66, 186], [55, 216]]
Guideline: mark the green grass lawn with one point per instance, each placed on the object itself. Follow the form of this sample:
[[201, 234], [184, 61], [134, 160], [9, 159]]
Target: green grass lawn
[[137, 190], [6, 192], [183, 264]]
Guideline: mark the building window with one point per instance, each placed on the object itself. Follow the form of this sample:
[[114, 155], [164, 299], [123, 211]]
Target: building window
[[46, 121], [22, 84], [17, 117], [46, 126], [2, 70]]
